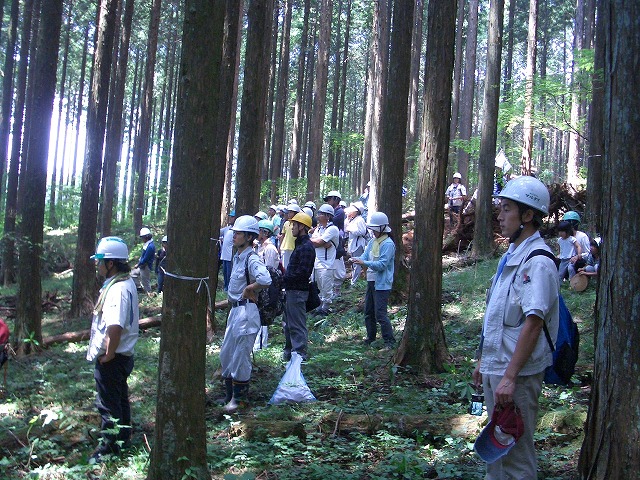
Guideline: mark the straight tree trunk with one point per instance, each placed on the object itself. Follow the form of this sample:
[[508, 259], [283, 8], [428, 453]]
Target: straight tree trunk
[[468, 89], [395, 132], [574, 133], [343, 87], [296, 135], [457, 73], [282, 93], [412, 122], [28, 322], [141, 150], [10, 211], [508, 64], [84, 278], [379, 83], [483, 231], [319, 102], [337, 67], [180, 440], [307, 106], [368, 121], [423, 344], [596, 134], [611, 439], [79, 106], [526, 161], [255, 93], [115, 132], [273, 51]]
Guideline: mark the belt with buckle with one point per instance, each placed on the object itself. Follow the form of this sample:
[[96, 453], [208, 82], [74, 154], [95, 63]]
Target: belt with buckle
[[240, 303]]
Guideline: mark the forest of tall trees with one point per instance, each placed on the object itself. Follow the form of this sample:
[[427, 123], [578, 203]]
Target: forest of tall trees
[[118, 114]]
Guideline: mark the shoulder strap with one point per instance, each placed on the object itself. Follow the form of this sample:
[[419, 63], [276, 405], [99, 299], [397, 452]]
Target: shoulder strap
[[548, 254], [246, 266]]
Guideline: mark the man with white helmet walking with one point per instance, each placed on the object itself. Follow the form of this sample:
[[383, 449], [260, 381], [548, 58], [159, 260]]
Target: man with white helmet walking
[[248, 277], [455, 193], [114, 333], [325, 240], [522, 302], [141, 272]]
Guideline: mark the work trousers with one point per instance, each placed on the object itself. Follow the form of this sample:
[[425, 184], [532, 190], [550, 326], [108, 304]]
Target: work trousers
[[235, 354], [295, 323], [142, 277], [375, 312]]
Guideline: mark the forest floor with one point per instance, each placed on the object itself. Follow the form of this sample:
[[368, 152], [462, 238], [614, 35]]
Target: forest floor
[[371, 419]]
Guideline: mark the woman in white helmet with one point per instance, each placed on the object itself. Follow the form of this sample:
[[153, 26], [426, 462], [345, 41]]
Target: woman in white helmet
[[523, 297], [141, 272], [379, 258], [114, 333], [248, 277], [356, 227], [455, 193]]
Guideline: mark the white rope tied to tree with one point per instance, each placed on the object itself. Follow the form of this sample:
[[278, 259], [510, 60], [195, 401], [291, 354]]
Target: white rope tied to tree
[[201, 281]]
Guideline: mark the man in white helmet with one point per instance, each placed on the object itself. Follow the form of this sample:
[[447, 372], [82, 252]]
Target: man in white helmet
[[325, 240], [141, 272], [456, 194], [248, 277], [522, 302], [114, 333]]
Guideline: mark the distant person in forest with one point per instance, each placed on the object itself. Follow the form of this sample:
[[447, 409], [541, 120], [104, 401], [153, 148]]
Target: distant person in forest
[[569, 248], [270, 256], [141, 272], [226, 248], [114, 333], [161, 262], [513, 352], [334, 198], [248, 276], [356, 228], [577, 261], [379, 258], [592, 266], [325, 239], [456, 194], [287, 241]]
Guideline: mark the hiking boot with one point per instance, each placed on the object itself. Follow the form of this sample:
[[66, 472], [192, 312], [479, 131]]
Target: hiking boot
[[228, 386], [239, 399]]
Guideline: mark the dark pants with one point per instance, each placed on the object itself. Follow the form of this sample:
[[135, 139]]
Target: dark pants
[[375, 311], [454, 214], [227, 265], [112, 400], [295, 323]]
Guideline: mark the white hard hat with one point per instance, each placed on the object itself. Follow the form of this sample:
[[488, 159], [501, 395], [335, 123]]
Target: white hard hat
[[343, 203], [164, 239], [246, 223], [294, 201], [528, 191], [112, 248], [379, 221], [359, 206], [308, 211], [326, 208], [293, 207], [261, 215], [457, 175], [332, 193], [144, 231], [311, 205]]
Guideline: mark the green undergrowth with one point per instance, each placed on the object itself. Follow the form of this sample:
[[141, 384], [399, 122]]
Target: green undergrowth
[[48, 422]]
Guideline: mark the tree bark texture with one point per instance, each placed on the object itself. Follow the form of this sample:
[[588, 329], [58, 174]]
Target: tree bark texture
[[483, 232], [423, 343], [526, 160], [338, 166], [255, 93], [319, 101], [34, 177], [84, 277], [610, 448], [180, 430], [457, 73], [574, 132], [412, 121]]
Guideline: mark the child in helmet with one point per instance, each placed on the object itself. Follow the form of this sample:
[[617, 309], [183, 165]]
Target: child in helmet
[[569, 247], [577, 261]]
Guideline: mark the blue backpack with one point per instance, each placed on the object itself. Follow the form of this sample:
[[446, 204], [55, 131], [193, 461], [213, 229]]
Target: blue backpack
[[565, 353]]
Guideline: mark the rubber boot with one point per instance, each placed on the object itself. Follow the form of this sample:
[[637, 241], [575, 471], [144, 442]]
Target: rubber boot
[[239, 399], [228, 394]]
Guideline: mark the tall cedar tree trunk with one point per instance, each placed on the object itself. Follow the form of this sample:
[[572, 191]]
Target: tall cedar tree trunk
[[282, 93], [596, 135], [378, 83], [84, 276], [414, 76], [395, 132], [10, 211], [79, 106], [319, 102], [63, 81], [483, 231], [508, 64], [468, 89], [273, 49], [457, 74], [343, 87], [526, 161], [226, 118], [610, 448], [115, 132], [230, 51], [368, 119], [337, 67], [7, 91], [296, 134], [255, 93], [307, 109], [574, 132], [141, 149], [423, 344], [34, 178], [180, 430]]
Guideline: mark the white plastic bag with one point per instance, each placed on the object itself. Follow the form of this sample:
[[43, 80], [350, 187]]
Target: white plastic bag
[[292, 386]]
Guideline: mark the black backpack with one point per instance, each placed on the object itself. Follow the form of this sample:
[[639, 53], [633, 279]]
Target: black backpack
[[270, 300]]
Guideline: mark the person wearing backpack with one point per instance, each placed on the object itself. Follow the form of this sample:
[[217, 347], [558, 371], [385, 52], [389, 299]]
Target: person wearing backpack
[[514, 353], [325, 240], [243, 322], [269, 255]]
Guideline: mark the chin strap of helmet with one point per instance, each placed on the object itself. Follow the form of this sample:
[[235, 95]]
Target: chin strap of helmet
[[516, 234]]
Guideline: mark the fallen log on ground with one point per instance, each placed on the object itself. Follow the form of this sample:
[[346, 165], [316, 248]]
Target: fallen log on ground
[[261, 430]]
